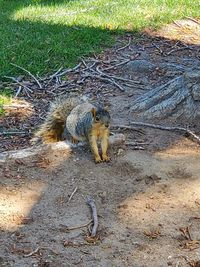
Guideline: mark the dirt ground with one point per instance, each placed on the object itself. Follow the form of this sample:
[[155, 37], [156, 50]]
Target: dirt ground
[[147, 197]]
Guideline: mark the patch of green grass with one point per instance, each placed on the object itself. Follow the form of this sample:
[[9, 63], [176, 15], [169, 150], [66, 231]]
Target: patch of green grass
[[5, 98], [42, 35]]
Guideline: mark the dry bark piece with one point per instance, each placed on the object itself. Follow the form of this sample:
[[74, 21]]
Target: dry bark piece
[[177, 98]]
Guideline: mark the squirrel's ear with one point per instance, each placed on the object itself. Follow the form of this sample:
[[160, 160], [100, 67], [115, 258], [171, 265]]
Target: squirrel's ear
[[93, 111]]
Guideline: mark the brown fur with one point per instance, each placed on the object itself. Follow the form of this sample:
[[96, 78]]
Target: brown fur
[[52, 128]]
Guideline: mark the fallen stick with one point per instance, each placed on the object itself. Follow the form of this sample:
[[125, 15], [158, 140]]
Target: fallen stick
[[177, 24], [135, 146], [105, 79], [13, 133], [58, 80], [194, 20], [78, 226], [138, 148], [32, 253], [37, 250], [88, 67], [128, 127], [17, 66], [177, 49], [72, 195], [18, 91], [92, 205], [158, 48], [123, 47], [115, 77], [54, 75], [68, 70], [15, 80], [16, 106], [167, 128], [119, 64]]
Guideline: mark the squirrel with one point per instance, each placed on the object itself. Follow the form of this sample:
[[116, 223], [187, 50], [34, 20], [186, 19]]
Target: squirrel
[[82, 121]]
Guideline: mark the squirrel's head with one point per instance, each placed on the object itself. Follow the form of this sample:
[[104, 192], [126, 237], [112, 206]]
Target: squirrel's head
[[101, 116]]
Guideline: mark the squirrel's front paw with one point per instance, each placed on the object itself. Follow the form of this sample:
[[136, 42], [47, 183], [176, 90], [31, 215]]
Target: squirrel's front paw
[[105, 158], [98, 160]]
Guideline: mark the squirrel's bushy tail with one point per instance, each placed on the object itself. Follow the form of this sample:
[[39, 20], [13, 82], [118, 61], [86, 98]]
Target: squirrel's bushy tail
[[52, 128]]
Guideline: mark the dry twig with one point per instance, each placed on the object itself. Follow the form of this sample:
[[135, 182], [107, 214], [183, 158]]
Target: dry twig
[[92, 205], [119, 64], [17, 66], [37, 250], [18, 91], [17, 106], [76, 227], [177, 49], [32, 253], [158, 48], [72, 195], [27, 89], [128, 127], [68, 70], [167, 128], [194, 20], [123, 47], [115, 77], [105, 79], [177, 24], [55, 74], [13, 133], [135, 147]]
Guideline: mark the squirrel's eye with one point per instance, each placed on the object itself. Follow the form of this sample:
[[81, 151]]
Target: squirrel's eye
[[97, 118]]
